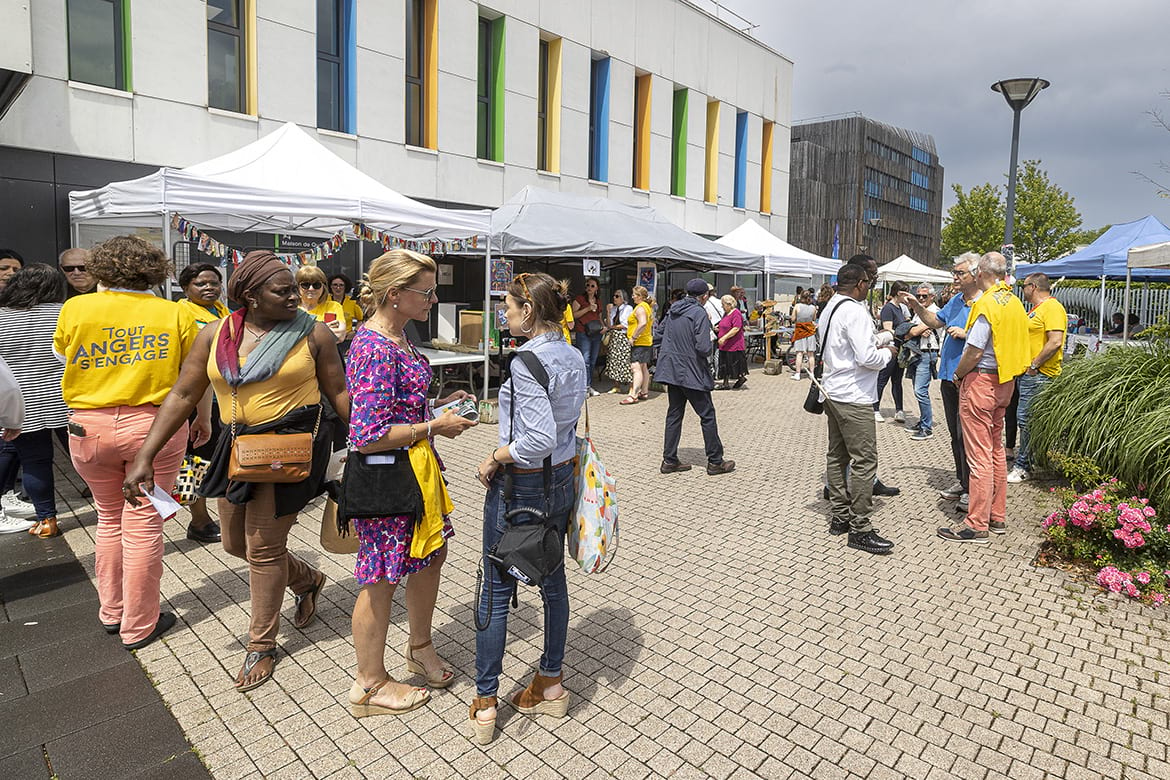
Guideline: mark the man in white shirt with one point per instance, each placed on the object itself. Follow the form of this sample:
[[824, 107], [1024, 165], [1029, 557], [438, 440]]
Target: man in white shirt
[[852, 361], [714, 314]]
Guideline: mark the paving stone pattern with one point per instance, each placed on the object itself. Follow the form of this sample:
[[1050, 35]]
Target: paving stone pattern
[[732, 637]]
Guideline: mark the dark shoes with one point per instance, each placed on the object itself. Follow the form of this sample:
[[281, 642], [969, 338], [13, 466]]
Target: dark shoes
[[725, 467], [880, 489], [166, 621], [870, 542], [671, 468], [739, 383], [208, 534], [838, 527]]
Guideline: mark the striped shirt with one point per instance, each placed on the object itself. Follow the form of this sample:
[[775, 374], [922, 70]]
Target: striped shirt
[[26, 344]]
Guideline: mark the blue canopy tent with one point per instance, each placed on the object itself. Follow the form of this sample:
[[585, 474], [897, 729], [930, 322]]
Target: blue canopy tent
[[1107, 257]]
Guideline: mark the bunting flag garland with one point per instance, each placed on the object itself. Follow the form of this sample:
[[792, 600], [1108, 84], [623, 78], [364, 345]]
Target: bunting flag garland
[[427, 246], [318, 252], [210, 246]]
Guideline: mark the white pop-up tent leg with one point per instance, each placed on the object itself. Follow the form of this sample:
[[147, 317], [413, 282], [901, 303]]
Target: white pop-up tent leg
[[1125, 305], [487, 312], [1101, 311]]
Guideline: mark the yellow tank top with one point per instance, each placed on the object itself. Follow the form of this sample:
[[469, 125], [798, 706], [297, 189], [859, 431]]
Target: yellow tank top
[[293, 386], [646, 338]]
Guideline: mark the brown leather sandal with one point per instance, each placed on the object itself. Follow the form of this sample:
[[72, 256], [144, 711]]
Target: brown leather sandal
[[440, 678], [531, 700], [47, 528], [362, 708], [483, 731], [301, 619]]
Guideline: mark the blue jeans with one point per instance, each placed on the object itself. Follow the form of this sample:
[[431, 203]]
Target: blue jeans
[[590, 347], [923, 373], [1028, 387], [33, 454], [527, 490]]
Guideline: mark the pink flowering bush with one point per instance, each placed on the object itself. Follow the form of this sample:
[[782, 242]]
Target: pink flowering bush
[[1121, 536]]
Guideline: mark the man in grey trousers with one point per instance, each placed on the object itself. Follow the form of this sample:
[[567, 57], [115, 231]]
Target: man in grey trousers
[[852, 362]]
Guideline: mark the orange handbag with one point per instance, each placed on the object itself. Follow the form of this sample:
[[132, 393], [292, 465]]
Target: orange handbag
[[271, 457]]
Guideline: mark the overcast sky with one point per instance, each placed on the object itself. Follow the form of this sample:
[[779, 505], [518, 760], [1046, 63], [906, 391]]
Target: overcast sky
[[928, 65]]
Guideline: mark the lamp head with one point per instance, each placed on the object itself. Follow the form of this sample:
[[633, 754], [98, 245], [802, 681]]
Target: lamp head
[[1019, 92]]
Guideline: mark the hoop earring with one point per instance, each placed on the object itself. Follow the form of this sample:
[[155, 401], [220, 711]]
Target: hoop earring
[[529, 329]]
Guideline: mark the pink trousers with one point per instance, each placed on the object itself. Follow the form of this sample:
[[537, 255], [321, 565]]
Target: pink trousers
[[128, 551], [983, 401]]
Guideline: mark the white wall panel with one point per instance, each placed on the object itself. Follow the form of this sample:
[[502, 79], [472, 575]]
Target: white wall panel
[[286, 71]]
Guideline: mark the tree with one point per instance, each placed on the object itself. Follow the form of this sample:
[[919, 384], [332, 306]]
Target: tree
[[1161, 121], [1045, 226], [1088, 236], [1046, 220], [975, 222]]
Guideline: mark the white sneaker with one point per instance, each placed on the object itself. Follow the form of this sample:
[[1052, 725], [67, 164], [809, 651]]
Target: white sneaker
[[877, 417], [794, 376], [900, 417], [953, 492], [14, 507], [1018, 474], [964, 502], [13, 525], [591, 392]]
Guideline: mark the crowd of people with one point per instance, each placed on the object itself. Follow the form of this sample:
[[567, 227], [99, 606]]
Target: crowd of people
[[983, 346], [300, 353]]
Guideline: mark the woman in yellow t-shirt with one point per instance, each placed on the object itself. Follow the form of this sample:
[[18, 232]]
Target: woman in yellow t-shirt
[[316, 301], [270, 363], [641, 350], [122, 348], [339, 287], [202, 283]]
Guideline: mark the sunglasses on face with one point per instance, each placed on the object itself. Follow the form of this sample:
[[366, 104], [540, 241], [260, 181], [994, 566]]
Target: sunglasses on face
[[923, 296], [424, 293], [71, 268], [311, 285]]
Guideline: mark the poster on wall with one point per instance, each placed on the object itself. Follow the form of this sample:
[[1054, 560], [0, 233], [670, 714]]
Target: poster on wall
[[648, 277], [501, 276], [591, 267]]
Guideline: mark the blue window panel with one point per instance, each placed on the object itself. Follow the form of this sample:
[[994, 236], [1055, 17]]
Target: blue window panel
[[349, 75], [739, 195], [599, 120]]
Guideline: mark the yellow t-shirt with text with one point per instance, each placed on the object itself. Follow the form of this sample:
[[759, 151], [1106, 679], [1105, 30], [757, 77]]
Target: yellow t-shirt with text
[[121, 348], [1048, 315], [326, 307]]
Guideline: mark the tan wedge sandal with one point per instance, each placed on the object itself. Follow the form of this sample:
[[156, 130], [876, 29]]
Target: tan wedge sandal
[[440, 678], [360, 706], [482, 731], [531, 700]]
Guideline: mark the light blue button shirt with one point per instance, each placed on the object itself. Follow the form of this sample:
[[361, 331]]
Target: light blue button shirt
[[546, 423]]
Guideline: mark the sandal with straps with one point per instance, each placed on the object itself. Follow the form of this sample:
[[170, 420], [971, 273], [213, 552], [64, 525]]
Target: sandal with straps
[[437, 679], [362, 708], [629, 399], [250, 660], [483, 731], [310, 596]]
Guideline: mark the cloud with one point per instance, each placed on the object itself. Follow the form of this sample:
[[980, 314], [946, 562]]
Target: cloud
[[928, 66]]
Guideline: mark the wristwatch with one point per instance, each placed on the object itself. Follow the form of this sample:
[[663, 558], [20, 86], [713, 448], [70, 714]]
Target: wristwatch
[[1033, 367]]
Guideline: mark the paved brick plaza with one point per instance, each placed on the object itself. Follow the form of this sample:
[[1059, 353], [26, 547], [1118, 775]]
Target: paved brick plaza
[[732, 637]]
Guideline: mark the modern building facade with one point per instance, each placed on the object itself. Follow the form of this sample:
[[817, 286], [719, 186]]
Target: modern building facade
[[859, 185], [656, 102]]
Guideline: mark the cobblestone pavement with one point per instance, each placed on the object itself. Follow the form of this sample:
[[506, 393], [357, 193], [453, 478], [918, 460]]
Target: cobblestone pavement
[[732, 637]]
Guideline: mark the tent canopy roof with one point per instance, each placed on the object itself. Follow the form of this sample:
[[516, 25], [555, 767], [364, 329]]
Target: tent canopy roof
[[1151, 256], [780, 257], [1108, 255], [541, 223], [286, 181], [904, 268]]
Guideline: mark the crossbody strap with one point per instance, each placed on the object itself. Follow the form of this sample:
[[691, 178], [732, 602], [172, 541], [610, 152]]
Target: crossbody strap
[[825, 335], [540, 374]]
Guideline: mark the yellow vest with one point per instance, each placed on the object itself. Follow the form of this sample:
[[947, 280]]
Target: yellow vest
[[1009, 329]]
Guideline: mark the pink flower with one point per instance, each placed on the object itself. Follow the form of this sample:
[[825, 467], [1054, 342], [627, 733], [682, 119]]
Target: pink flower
[[1131, 590], [1143, 577], [1158, 598]]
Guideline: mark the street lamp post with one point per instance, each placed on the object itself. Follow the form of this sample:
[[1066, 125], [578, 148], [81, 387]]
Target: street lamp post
[[1018, 93]]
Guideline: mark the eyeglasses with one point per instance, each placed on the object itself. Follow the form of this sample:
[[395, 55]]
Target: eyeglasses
[[923, 296], [960, 274], [423, 293], [311, 285], [1027, 284], [71, 268]]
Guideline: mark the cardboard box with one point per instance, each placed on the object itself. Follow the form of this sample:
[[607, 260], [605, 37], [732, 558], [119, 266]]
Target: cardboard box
[[470, 327]]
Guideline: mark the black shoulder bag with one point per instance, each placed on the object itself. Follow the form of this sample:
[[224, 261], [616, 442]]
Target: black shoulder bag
[[812, 402], [526, 552]]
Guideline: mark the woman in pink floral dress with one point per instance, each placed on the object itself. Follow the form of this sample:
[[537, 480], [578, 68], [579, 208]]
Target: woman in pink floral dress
[[388, 381]]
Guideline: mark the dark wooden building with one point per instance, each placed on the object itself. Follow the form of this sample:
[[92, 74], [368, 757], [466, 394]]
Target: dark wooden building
[[866, 187]]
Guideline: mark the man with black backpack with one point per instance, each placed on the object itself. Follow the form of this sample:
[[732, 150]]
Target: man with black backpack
[[852, 362]]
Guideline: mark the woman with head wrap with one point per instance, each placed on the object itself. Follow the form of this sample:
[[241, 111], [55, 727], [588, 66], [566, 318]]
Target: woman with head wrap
[[269, 364], [122, 348]]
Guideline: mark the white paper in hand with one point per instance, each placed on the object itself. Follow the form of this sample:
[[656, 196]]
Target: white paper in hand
[[166, 506]]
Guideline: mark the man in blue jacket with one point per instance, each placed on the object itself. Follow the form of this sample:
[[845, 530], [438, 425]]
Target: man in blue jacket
[[684, 342]]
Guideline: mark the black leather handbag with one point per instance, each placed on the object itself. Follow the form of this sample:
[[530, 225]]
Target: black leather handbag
[[378, 489]]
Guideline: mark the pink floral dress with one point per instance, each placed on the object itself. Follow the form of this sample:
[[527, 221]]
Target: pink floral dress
[[387, 386]]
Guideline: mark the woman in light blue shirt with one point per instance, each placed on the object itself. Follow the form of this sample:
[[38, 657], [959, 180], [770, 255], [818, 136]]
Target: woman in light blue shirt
[[545, 427]]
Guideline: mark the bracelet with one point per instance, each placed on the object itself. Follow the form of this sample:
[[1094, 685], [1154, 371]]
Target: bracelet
[[498, 462], [412, 434], [428, 429]]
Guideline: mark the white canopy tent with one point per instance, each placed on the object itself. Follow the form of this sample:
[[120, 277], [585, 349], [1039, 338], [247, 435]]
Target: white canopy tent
[[1149, 256], [780, 257], [285, 182], [542, 223], [904, 268]]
